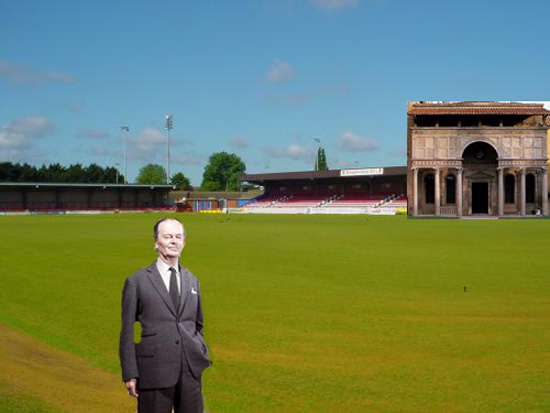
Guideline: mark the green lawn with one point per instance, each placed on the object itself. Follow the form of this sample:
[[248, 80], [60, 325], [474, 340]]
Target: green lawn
[[311, 313], [11, 402]]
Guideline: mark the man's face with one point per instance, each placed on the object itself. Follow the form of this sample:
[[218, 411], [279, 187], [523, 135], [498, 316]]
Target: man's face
[[170, 240]]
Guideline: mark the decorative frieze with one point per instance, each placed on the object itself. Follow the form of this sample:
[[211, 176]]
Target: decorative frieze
[[434, 145], [426, 163]]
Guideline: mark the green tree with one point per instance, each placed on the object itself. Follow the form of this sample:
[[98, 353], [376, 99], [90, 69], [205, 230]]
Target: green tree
[[181, 181], [9, 172], [76, 173], [223, 172], [151, 174], [58, 173], [321, 163], [26, 173], [95, 174], [54, 172], [110, 175]]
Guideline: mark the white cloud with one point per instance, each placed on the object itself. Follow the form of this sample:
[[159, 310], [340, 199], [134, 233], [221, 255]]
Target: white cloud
[[239, 141], [10, 140], [355, 143], [147, 143], [22, 75], [334, 5], [296, 152], [18, 133], [150, 144], [17, 138], [36, 126], [281, 72]]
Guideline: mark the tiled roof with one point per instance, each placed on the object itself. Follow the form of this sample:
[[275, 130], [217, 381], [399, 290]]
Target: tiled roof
[[477, 108]]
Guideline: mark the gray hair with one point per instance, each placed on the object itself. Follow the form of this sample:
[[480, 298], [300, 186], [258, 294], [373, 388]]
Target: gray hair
[[160, 221]]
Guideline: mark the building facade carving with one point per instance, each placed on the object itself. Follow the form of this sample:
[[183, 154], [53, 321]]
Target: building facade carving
[[477, 158]]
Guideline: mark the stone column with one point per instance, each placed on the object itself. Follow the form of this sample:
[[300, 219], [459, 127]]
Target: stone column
[[459, 191], [522, 189], [500, 171], [415, 192], [437, 195], [544, 191]]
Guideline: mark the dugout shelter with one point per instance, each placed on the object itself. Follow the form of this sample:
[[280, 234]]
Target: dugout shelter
[[56, 197]]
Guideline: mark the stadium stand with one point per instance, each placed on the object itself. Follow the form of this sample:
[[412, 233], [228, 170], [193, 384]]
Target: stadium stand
[[356, 191], [73, 198]]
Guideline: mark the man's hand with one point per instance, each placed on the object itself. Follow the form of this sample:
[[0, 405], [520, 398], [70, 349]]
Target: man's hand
[[131, 385]]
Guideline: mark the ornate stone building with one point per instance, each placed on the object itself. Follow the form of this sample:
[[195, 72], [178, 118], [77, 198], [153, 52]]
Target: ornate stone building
[[477, 158]]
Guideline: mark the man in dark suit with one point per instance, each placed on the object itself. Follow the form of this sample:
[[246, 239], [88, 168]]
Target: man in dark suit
[[164, 370]]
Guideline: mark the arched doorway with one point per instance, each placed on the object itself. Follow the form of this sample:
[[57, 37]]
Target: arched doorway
[[480, 160]]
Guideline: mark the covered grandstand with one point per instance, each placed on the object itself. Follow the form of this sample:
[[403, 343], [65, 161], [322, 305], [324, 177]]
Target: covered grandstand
[[378, 190], [62, 197]]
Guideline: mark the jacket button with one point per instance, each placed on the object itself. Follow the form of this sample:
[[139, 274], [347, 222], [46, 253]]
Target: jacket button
[[177, 341]]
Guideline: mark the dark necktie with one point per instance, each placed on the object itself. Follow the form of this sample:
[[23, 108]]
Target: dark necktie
[[174, 293]]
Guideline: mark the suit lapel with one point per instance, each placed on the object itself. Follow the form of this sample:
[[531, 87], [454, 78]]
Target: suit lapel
[[159, 285], [185, 281]]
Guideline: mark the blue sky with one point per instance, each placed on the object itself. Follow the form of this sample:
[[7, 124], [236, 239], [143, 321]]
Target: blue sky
[[260, 78]]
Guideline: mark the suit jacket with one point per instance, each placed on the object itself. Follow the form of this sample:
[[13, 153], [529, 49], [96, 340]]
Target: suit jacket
[[169, 336]]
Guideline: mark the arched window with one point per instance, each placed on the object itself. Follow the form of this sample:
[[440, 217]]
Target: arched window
[[429, 188], [509, 188], [450, 183], [479, 153], [530, 188]]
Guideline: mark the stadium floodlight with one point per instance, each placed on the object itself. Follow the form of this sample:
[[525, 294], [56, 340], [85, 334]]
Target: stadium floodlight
[[124, 129], [117, 165], [169, 124]]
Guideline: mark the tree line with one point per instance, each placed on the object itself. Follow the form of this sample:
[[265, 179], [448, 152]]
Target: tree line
[[57, 173], [222, 173]]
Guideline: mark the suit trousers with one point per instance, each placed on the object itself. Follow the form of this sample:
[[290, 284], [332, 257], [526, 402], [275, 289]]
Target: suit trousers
[[184, 397]]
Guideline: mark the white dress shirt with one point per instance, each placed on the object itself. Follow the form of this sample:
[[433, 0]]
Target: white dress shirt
[[165, 273]]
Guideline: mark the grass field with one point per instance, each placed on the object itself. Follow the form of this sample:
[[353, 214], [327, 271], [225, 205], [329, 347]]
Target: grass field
[[302, 313]]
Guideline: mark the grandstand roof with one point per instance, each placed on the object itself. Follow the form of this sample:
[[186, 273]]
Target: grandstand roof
[[333, 173], [477, 108], [83, 185]]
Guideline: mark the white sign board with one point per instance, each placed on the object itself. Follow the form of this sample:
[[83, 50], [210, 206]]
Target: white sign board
[[382, 211], [362, 172]]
